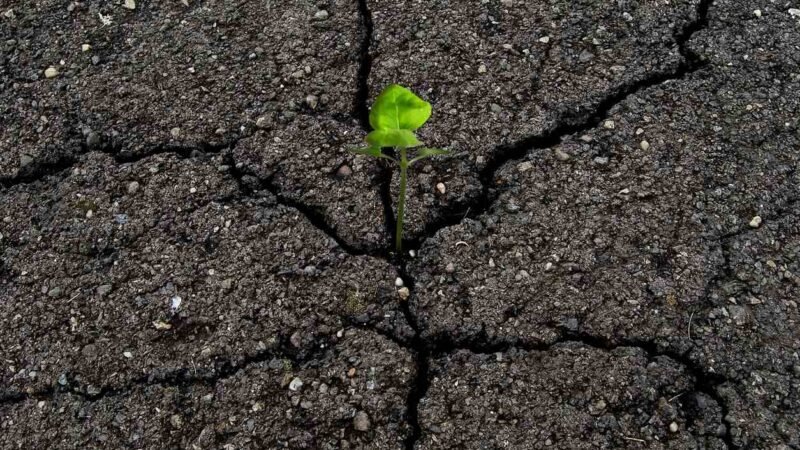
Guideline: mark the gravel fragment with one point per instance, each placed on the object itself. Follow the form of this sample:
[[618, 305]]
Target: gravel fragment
[[361, 421]]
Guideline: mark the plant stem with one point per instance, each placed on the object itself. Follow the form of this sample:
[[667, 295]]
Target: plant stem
[[401, 201]]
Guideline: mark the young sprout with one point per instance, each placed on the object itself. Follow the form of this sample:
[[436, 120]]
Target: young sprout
[[394, 116]]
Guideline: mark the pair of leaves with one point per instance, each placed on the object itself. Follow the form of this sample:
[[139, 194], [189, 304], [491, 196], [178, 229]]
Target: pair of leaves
[[394, 116], [396, 113]]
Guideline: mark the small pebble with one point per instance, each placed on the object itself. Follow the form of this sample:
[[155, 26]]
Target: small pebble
[[51, 72], [25, 160], [544, 39], [609, 124], [404, 293], [312, 101], [86, 47], [175, 132], [757, 13], [295, 384], [561, 155], [262, 122], [441, 188], [344, 171], [644, 145], [482, 68], [104, 289], [450, 268], [175, 303], [128, 355], [93, 140], [495, 107], [794, 12], [601, 160], [361, 421], [133, 186], [398, 282], [321, 14], [755, 222], [296, 339], [524, 166], [673, 427]]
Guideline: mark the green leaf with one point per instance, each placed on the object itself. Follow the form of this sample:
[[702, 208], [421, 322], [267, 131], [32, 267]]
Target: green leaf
[[397, 108], [393, 138], [375, 152], [426, 152]]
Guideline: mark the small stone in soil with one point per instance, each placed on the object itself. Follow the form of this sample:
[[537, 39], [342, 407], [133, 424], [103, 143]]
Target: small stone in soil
[[361, 421], [344, 171], [404, 293], [295, 384], [561, 155]]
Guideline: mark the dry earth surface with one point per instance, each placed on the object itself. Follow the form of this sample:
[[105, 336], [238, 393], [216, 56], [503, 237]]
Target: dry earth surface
[[191, 259]]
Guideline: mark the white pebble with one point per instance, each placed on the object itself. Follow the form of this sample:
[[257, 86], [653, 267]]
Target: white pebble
[[51, 72], [757, 13], [609, 124], [544, 39], [86, 47], [755, 222], [644, 145], [175, 303], [296, 384], [398, 282], [673, 427], [128, 355], [441, 188], [130, 4], [482, 69]]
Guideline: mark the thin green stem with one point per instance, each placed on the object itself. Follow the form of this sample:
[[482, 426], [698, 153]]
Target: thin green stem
[[401, 201]]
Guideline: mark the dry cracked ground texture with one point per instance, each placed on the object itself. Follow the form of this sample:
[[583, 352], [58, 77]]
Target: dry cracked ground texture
[[190, 258]]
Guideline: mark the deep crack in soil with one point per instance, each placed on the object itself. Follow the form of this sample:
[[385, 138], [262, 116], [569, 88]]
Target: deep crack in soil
[[425, 349]]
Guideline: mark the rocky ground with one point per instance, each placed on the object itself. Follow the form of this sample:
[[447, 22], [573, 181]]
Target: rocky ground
[[190, 258]]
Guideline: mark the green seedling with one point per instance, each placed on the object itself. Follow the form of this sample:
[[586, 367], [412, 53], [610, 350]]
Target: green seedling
[[395, 115]]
